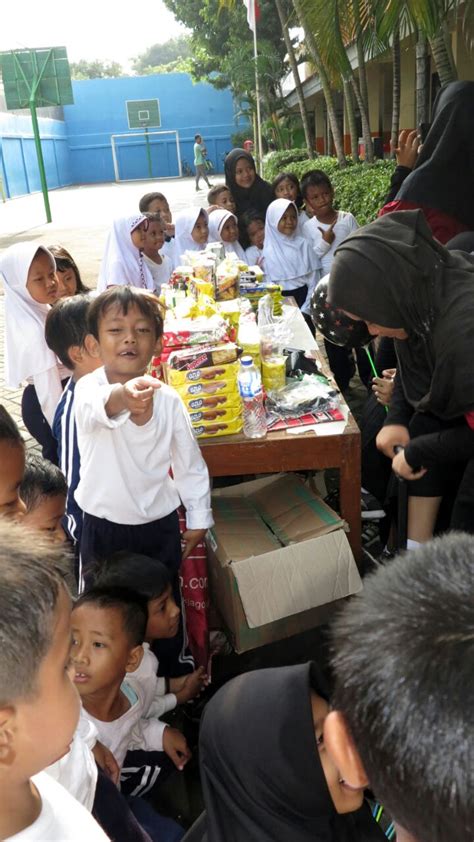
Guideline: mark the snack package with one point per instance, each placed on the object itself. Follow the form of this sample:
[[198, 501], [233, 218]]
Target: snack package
[[204, 389], [227, 280], [193, 358], [231, 401], [218, 415], [213, 429], [180, 377]]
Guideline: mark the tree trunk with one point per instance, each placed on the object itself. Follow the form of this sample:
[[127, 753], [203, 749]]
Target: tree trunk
[[396, 85], [422, 79], [296, 78], [443, 57], [364, 87], [351, 120], [323, 76]]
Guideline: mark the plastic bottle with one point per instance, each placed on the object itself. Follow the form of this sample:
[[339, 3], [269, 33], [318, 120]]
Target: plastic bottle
[[250, 388]]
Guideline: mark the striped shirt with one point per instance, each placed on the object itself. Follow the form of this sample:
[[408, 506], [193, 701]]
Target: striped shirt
[[64, 431]]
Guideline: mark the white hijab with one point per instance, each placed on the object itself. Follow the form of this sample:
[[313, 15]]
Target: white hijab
[[217, 220], [123, 264], [26, 352], [285, 257], [183, 226]]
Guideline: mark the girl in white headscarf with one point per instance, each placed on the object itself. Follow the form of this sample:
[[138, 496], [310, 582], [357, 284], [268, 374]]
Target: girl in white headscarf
[[289, 259], [191, 232], [123, 264], [223, 227], [31, 287]]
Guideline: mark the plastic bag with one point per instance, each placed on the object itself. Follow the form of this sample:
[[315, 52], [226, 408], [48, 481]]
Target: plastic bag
[[310, 394]]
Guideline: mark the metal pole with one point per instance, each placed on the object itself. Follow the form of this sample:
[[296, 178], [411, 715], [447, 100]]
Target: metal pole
[[148, 154], [39, 154], [257, 95]]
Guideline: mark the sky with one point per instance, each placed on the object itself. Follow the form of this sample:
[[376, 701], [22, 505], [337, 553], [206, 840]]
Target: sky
[[110, 30]]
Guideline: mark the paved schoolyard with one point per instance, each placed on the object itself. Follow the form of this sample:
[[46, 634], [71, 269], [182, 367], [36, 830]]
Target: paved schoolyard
[[81, 218]]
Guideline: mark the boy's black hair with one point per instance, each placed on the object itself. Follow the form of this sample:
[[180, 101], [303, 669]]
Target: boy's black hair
[[215, 191], [196, 136], [66, 325], [315, 178], [294, 180], [124, 297], [31, 579], [250, 216], [153, 217], [144, 575], [9, 431], [41, 479], [65, 261], [133, 608], [148, 198], [403, 660]]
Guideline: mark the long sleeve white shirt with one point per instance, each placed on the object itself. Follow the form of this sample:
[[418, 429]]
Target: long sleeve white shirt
[[345, 224], [125, 467]]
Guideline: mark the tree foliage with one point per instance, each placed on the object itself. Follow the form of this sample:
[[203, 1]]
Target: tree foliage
[[95, 69], [173, 52]]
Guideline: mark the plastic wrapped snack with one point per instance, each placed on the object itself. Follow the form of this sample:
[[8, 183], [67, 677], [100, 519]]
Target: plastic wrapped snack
[[194, 358], [179, 377], [213, 429], [227, 280], [310, 394]]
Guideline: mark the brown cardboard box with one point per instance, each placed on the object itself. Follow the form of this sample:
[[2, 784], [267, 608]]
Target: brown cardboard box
[[279, 560]]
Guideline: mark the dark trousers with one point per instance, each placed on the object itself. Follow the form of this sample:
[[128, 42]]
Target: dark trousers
[[37, 425], [160, 539], [111, 810]]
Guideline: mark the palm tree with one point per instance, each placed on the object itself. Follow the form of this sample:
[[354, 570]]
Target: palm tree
[[296, 78]]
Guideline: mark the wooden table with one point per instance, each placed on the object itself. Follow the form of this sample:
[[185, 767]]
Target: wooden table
[[236, 455]]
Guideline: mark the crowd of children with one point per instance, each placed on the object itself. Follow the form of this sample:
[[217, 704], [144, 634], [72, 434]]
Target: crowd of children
[[87, 683]]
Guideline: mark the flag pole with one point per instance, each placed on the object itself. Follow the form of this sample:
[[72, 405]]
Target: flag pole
[[257, 91]]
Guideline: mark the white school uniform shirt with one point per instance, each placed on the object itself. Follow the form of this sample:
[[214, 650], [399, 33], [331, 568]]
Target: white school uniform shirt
[[125, 468], [254, 257], [122, 263], [289, 261], [139, 727], [345, 224], [77, 770], [183, 226], [27, 357], [160, 272], [62, 818], [217, 220]]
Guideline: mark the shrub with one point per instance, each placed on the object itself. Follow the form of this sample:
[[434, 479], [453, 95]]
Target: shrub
[[275, 162], [238, 138]]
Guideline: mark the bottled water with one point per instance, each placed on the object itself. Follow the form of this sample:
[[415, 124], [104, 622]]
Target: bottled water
[[250, 388]]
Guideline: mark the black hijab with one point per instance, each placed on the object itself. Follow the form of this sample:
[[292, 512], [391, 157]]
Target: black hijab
[[443, 176], [258, 196], [395, 274], [260, 769]]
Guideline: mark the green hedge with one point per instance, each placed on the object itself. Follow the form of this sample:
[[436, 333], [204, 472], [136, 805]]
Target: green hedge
[[275, 162], [358, 188]]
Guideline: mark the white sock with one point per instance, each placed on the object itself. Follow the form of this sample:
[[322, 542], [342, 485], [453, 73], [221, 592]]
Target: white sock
[[413, 545]]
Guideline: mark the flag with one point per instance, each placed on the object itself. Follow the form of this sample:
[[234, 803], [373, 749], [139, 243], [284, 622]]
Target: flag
[[253, 13]]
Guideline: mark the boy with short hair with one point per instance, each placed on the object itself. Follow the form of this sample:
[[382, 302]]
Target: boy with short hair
[[159, 265], [220, 196], [404, 703], [108, 628], [39, 707], [131, 431], [43, 490]]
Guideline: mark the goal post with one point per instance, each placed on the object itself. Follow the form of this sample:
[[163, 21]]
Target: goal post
[[119, 141]]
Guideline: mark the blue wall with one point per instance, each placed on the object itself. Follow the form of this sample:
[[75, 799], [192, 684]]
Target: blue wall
[[99, 111], [18, 161]]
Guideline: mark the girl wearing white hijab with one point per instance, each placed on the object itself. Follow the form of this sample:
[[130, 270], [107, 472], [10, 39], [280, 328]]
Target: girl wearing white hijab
[[223, 227], [289, 259], [123, 264], [191, 232], [31, 287]]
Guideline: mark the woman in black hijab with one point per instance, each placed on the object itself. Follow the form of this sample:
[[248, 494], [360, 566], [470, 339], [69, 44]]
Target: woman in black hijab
[[262, 757], [442, 180], [250, 191], [396, 277]]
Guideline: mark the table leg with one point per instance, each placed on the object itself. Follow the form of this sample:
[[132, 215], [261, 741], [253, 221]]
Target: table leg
[[349, 493]]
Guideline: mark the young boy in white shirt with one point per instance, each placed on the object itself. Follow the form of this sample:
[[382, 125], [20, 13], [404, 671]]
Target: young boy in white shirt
[[39, 706], [131, 431]]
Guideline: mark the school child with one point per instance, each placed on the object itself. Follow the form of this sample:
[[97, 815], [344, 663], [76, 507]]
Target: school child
[[289, 259], [158, 203], [220, 196], [191, 232], [286, 186], [43, 490], [253, 226], [136, 429], [31, 287], [12, 467], [39, 704], [108, 629], [223, 227], [404, 696], [123, 262], [67, 273], [328, 227], [159, 265]]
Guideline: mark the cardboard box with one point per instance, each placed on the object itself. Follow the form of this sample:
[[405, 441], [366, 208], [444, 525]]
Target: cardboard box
[[279, 560]]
